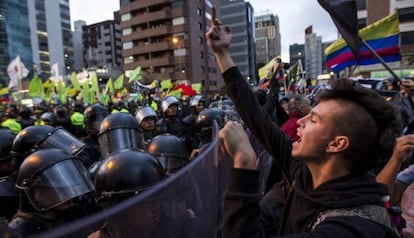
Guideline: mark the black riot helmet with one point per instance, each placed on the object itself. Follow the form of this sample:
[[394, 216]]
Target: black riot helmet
[[170, 151], [124, 174], [94, 115], [167, 102], [34, 138], [119, 131], [145, 112], [50, 177], [48, 118], [6, 142], [232, 115], [195, 100], [7, 165], [204, 123]]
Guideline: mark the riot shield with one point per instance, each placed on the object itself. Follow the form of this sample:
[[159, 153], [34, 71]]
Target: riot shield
[[186, 204]]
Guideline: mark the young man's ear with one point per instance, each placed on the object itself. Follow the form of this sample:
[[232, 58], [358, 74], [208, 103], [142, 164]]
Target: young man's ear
[[338, 144]]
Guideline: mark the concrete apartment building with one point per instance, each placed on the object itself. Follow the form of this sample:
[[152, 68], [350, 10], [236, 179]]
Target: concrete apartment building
[[102, 47], [268, 41], [167, 38]]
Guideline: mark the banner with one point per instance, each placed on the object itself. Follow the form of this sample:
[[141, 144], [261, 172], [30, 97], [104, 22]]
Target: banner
[[382, 36], [267, 70], [16, 71]]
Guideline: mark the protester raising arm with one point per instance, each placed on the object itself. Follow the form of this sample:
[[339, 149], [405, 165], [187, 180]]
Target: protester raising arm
[[246, 104], [388, 174]]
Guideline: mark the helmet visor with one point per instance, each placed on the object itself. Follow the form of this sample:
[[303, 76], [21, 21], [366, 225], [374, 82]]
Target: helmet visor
[[119, 139], [58, 184], [63, 140], [93, 123], [172, 163]]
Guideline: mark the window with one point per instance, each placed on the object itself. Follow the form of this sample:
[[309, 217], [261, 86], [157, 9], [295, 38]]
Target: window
[[126, 31], [178, 21], [127, 45], [129, 59], [126, 17]]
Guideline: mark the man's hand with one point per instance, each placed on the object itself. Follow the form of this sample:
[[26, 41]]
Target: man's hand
[[403, 146], [236, 144], [217, 39]]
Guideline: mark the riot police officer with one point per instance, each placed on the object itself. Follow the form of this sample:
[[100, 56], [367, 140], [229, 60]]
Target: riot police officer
[[48, 118], [54, 188], [146, 118], [171, 123], [94, 115], [170, 151], [204, 123], [34, 138], [119, 131], [8, 193], [197, 104], [123, 175]]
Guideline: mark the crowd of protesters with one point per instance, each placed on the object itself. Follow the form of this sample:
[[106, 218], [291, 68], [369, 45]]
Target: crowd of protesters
[[335, 164]]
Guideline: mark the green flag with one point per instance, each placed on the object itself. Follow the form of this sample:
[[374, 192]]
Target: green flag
[[119, 82], [48, 85], [135, 75], [86, 92], [94, 80], [166, 84], [104, 99], [74, 81], [109, 88], [36, 87], [196, 87], [62, 92]]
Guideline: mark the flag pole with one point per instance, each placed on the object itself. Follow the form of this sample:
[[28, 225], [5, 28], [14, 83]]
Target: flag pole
[[19, 80], [379, 58]]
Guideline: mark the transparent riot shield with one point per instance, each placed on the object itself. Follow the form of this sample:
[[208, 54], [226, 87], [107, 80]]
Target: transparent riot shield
[[186, 204]]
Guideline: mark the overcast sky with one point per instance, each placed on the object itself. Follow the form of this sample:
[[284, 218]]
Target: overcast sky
[[294, 17]]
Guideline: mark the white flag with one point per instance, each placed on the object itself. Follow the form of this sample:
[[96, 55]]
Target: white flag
[[16, 71], [54, 71]]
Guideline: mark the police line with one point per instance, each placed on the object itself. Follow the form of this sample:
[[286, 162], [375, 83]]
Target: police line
[[186, 204]]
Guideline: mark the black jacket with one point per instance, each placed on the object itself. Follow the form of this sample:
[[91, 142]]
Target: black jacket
[[304, 204]]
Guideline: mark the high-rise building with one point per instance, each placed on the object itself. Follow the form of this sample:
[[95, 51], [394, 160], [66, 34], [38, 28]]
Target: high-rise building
[[78, 58], [268, 44], [296, 53], [370, 11], [51, 35], [313, 54], [167, 38], [14, 36], [102, 47], [238, 14]]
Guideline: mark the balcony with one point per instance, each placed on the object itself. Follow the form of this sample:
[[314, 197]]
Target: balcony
[[150, 32], [146, 17], [144, 49], [164, 61], [139, 4]]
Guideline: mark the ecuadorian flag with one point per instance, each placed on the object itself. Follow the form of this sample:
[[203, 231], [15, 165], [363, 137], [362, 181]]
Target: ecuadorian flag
[[382, 36]]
